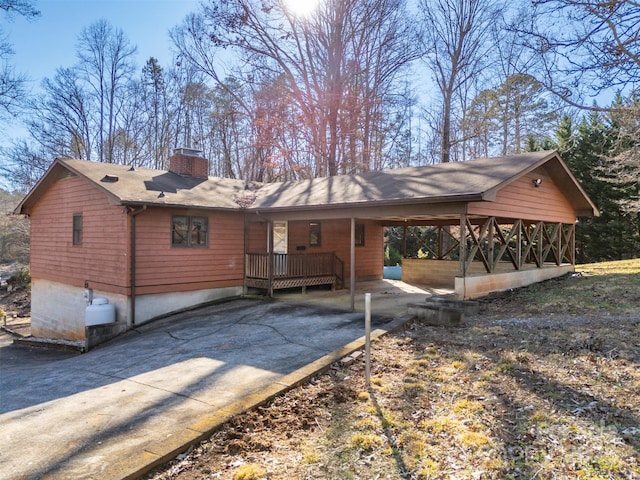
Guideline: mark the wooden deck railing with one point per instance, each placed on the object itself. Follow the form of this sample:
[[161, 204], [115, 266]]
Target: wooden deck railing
[[278, 270]]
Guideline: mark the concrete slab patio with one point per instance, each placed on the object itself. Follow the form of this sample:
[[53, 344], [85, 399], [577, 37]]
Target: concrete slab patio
[[136, 402], [388, 297]]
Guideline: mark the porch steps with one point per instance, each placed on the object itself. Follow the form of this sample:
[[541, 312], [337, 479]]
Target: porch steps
[[443, 311]]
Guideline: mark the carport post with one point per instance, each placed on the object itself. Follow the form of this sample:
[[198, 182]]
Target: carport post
[[463, 246], [270, 258], [367, 339], [352, 281]]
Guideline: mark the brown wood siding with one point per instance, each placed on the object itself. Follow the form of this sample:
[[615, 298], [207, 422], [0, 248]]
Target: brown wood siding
[[336, 237], [257, 237], [522, 200], [161, 267], [101, 259]]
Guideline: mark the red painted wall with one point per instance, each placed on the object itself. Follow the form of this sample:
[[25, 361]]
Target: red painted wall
[[101, 259], [521, 199], [336, 237], [161, 267]]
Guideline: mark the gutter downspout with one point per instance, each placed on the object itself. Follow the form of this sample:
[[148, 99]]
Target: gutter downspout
[[134, 213]]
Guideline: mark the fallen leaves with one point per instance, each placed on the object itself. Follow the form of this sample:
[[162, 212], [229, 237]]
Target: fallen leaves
[[511, 395], [535, 399]]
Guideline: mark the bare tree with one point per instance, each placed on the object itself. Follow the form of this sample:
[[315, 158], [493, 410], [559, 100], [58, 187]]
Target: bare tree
[[327, 62], [229, 124], [383, 44], [130, 137], [62, 115], [622, 162], [159, 95], [24, 163], [457, 39], [584, 48], [19, 7], [105, 56], [12, 83]]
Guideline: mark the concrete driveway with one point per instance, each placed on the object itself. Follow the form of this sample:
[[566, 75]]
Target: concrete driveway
[[135, 402]]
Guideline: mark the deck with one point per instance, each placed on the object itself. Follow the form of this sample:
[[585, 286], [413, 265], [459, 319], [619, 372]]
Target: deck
[[277, 271]]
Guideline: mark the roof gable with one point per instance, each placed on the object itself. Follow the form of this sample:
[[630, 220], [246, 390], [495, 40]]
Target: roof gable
[[126, 186]]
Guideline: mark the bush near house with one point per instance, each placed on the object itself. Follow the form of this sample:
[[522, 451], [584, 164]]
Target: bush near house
[[14, 231]]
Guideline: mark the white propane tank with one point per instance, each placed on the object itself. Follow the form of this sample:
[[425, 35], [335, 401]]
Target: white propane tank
[[100, 312]]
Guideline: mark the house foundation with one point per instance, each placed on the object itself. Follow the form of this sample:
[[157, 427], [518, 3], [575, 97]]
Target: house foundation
[[151, 306], [58, 310], [474, 286]]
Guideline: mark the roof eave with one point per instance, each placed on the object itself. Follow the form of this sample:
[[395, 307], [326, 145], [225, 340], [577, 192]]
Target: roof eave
[[140, 203], [470, 197]]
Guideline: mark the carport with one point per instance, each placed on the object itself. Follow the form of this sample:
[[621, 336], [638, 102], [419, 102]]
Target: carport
[[494, 223]]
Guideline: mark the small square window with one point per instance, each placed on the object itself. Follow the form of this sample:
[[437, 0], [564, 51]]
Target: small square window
[[359, 234], [189, 231], [314, 234], [77, 229]]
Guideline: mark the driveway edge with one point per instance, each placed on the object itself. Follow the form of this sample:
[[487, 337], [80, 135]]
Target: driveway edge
[[165, 450]]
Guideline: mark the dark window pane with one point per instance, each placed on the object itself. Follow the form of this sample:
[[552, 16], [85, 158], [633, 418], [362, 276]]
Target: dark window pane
[[314, 234], [198, 231], [77, 229], [359, 235], [179, 230]]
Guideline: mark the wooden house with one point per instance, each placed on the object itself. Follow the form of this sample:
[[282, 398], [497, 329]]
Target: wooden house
[[154, 242]]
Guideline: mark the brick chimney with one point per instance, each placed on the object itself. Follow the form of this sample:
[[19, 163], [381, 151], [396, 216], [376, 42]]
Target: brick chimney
[[189, 162]]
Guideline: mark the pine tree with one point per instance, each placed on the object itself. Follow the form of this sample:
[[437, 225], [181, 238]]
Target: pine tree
[[614, 234]]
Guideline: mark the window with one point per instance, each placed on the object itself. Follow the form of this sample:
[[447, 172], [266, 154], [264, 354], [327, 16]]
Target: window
[[77, 229], [314, 234], [359, 234], [189, 231]]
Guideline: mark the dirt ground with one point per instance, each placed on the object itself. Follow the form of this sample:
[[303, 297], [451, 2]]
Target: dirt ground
[[17, 307], [544, 383], [541, 391]]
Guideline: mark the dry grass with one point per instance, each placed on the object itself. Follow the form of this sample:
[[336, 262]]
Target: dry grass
[[597, 288], [512, 395]]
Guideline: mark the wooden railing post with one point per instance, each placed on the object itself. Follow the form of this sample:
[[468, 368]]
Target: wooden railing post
[[270, 275]]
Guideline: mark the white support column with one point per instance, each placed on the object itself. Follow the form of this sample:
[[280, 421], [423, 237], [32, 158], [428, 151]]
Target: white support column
[[352, 264], [463, 245], [270, 259]]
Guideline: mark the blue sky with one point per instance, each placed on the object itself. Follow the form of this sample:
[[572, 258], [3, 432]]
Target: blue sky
[[48, 42]]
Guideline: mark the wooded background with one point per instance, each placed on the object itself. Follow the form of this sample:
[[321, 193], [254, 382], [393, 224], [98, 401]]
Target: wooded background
[[270, 95]]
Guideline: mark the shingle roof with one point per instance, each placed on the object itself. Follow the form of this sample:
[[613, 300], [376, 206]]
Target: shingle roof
[[151, 187], [472, 180]]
